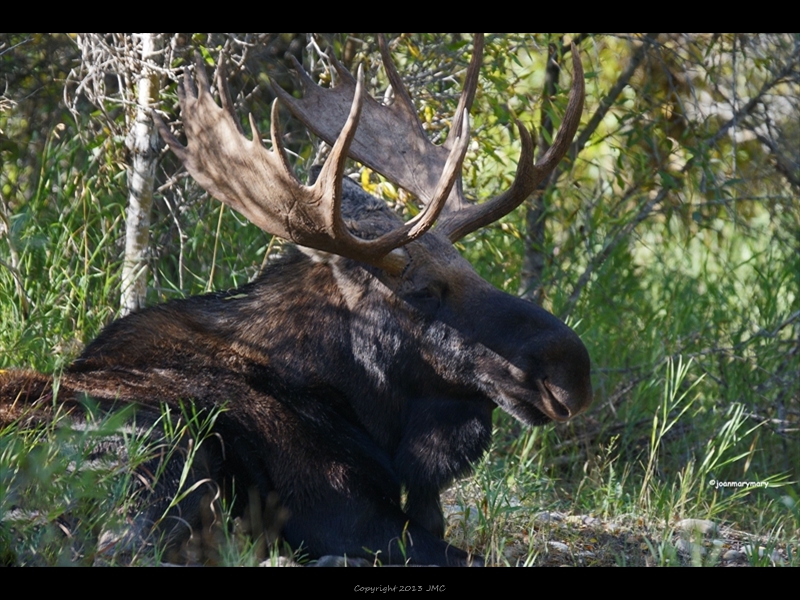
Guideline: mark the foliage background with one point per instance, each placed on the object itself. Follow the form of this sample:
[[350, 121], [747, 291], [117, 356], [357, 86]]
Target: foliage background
[[670, 240]]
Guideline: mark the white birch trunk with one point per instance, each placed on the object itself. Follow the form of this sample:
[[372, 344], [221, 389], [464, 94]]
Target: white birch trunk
[[142, 143]]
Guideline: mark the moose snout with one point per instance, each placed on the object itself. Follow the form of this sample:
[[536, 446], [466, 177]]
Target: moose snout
[[557, 368], [563, 375], [550, 368]]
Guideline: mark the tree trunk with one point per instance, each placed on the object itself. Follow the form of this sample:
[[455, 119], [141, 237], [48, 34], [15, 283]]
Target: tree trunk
[[142, 143]]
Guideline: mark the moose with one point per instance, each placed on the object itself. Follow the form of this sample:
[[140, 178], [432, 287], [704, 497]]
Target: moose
[[359, 372]]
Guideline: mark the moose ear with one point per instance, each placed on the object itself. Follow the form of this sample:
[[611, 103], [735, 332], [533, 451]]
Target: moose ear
[[395, 262]]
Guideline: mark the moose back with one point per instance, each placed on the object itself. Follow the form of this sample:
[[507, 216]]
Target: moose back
[[364, 363]]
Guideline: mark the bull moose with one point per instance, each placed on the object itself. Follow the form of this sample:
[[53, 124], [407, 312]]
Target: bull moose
[[363, 366]]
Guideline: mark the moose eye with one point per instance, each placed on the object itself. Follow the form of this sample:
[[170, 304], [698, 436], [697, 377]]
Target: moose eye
[[427, 300]]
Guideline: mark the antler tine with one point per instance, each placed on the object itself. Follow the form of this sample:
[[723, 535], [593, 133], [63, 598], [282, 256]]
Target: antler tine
[[333, 170], [202, 77], [470, 86], [176, 147], [225, 91], [187, 85], [277, 140], [451, 175], [341, 70], [468, 218], [401, 96], [572, 118], [305, 78]]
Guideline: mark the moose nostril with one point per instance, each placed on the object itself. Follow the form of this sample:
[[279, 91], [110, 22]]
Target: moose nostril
[[552, 405], [562, 410]]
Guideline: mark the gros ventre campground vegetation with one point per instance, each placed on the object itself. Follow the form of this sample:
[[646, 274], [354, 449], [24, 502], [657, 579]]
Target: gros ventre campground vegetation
[[669, 239]]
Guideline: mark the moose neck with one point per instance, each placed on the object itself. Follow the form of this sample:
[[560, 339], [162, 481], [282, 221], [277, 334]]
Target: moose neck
[[348, 332]]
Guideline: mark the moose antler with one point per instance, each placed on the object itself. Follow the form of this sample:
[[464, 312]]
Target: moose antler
[[260, 184], [391, 139]]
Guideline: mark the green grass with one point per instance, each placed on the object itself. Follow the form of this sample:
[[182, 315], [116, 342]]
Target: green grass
[[54, 499]]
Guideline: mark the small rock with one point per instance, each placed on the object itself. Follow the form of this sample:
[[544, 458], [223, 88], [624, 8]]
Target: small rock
[[734, 556], [341, 561], [749, 550], [775, 555], [279, 561], [458, 515], [560, 546], [548, 517], [702, 526], [687, 547]]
